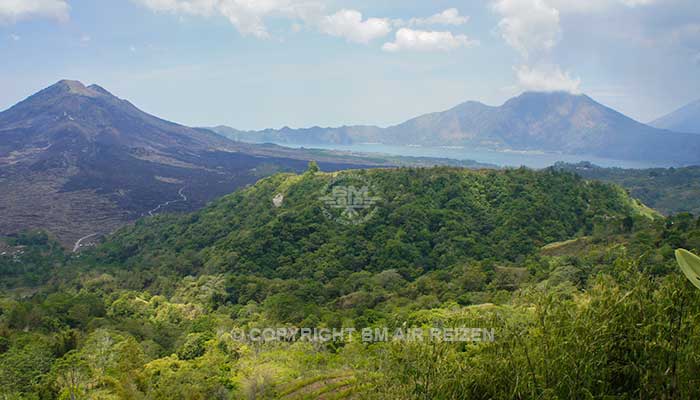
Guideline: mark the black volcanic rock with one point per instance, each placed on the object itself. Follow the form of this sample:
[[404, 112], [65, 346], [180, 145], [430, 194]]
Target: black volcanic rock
[[77, 160], [70, 111]]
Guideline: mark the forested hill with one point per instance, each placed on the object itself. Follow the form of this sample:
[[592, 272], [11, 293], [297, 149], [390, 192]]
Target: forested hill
[[667, 190], [421, 219], [151, 313]]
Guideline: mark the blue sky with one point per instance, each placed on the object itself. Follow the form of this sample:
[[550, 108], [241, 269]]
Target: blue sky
[[255, 64]]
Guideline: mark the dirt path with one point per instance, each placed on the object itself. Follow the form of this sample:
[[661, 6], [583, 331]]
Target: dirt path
[[182, 195], [76, 247]]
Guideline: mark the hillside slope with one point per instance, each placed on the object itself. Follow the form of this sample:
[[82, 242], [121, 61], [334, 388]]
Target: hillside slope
[[667, 190], [76, 160], [418, 220], [166, 309]]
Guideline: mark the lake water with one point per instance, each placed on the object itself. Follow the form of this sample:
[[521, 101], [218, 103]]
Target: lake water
[[502, 158]]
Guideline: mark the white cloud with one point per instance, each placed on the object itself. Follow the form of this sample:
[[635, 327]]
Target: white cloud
[[14, 10], [246, 15], [349, 25], [529, 26], [15, 37], [450, 16], [634, 3], [581, 6], [546, 78], [416, 40], [532, 26]]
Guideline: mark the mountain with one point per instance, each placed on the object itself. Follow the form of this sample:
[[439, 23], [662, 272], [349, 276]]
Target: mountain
[[70, 114], [551, 122], [314, 135], [685, 119], [77, 161]]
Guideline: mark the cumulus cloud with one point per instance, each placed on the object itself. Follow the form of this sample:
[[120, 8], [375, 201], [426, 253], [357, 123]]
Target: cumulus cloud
[[529, 26], [417, 40], [349, 25], [249, 16], [246, 15], [546, 78], [14, 10], [532, 26], [15, 37], [450, 16]]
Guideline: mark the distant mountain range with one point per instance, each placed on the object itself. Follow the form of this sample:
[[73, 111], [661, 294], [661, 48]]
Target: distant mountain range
[[76, 160], [552, 122], [685, 119]]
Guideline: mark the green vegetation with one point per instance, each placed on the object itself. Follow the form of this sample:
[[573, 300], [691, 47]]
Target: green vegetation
[[28, 259], [667, 190], [578, 282]]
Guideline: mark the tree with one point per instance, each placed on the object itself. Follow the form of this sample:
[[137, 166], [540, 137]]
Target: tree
[[313, 167], [72, 375]]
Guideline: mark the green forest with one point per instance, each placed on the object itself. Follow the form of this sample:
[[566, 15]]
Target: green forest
[[577, 280], [667, 190]]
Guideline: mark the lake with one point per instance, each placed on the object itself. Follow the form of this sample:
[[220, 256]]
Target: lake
[[502, 158]]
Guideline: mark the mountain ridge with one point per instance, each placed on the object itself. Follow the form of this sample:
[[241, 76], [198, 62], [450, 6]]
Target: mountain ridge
[[684, 119], [556, 122]]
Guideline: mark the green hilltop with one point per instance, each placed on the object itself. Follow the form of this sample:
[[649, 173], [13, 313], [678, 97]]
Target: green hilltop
[[428, 219]]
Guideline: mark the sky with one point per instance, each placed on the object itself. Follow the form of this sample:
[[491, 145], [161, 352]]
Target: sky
[[254, 64]]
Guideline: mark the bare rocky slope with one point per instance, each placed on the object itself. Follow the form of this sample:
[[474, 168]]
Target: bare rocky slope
[[77, 160]]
